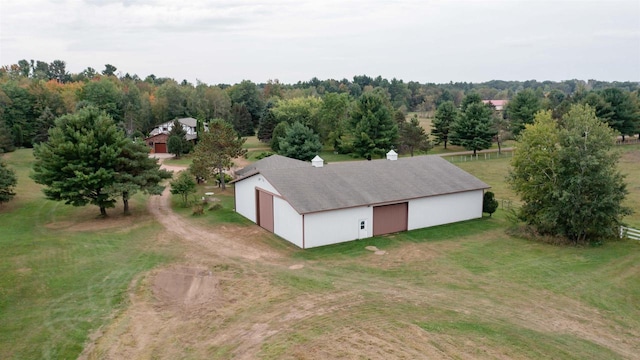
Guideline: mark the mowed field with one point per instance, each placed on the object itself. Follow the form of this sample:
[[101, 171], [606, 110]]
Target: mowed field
[[216, 286]]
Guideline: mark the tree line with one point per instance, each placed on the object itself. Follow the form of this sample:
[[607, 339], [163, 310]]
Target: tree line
[[34, 93]]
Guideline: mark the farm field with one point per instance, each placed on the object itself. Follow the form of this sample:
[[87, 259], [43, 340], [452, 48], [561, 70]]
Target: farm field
[[216, 286]]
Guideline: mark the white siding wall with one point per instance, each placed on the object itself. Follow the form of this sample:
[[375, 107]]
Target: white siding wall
[[445, 209], [332, 227], [245, 193], [287, 223], [169, 125]]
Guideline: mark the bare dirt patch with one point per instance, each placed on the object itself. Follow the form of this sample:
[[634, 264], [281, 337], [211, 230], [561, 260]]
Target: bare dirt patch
[[186, 286]]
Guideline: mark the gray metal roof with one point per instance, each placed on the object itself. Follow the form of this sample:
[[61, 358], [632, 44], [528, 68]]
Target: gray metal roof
[[189, 121], [349, 184]]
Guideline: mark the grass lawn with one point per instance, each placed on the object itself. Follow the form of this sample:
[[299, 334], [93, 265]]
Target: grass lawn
[[63, 273], [220, 208], [472, 290], [184, 160]]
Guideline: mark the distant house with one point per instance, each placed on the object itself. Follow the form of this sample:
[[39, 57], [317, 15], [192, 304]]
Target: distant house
[[158, 143], [313, 205], [498, 104], [158, 137]]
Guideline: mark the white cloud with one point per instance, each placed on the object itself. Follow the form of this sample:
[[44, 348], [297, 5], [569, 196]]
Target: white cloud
[[227, 41]]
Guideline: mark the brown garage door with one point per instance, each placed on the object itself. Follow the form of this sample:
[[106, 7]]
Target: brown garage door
[[390, 218], [265, 210], [160, 148]]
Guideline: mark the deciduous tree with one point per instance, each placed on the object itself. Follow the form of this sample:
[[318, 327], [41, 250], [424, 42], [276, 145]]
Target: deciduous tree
[[333, 116], [78, 163], [247, 94], [215, 151], [6, 140], [305, 110], [241, 120], [184, 186], [568, 178], [105, 95]]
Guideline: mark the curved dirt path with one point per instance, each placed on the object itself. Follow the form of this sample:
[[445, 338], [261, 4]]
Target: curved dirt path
[[224, 241]]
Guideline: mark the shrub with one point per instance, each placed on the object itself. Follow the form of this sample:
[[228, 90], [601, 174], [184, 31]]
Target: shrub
[[198, 209], [489, 203], [264, 154]]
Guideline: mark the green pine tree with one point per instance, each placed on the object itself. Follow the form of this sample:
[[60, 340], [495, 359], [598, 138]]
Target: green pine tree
[[300, 142], [473, 129], [78, 164], [374, 130]]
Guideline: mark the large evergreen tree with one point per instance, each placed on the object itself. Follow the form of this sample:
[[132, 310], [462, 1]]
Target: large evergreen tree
[[215, 151], [622, 113], [568, 178], [268, 122], [78, 164], [177, 142], [445, 116], [374, 130], [413, 137], [473, 128], [300, 142], [522, 109]]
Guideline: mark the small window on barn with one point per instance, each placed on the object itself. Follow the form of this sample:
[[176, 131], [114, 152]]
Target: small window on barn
[[362, 224]]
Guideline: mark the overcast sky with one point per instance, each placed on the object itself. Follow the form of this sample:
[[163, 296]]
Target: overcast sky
[[226, 41]]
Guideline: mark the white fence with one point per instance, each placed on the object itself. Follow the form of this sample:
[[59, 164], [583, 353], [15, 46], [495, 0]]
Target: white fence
[[631, 233], [453, 158]]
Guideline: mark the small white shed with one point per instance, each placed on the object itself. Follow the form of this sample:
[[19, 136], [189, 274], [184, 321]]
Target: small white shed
[[315, 205]]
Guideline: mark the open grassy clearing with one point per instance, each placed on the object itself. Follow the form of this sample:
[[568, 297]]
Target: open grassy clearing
[[464, 290], [63, 272]]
